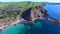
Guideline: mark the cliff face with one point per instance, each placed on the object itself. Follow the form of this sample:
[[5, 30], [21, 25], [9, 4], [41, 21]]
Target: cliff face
[[37, 12], [34, 12]]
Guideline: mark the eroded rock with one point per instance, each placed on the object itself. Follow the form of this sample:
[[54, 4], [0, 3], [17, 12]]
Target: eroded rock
[[34, 12], [37, 12]]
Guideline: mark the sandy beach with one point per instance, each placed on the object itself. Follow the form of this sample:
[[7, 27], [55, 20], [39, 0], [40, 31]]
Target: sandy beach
[[5, 26]]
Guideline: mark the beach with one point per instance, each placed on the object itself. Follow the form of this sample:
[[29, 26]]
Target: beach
[[5, 26]]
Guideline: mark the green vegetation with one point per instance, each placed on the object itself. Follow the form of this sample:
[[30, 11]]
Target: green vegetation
[[8, 13]]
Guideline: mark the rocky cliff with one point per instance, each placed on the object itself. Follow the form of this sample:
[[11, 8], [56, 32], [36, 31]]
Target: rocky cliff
[[37, 12]]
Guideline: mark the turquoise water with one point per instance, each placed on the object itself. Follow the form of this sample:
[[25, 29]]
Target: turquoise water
[[14, 29], [39, 26], [18, 29]]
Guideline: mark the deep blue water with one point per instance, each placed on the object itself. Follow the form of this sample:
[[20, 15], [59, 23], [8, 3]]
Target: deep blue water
[[53, 10]]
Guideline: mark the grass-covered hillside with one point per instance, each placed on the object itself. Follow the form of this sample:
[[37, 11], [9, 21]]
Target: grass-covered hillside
[[12, 10]]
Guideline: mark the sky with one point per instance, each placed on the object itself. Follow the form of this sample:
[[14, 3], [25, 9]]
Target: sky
[[30, 0]]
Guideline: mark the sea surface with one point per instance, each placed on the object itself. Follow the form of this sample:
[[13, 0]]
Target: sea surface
[[14, 29], [53, 10], [39, 27]]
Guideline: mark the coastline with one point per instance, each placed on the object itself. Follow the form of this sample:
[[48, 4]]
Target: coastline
[[6, 26]]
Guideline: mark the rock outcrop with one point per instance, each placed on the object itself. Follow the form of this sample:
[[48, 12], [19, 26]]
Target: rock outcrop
[[54, 21], [37, 12], [34, 12]]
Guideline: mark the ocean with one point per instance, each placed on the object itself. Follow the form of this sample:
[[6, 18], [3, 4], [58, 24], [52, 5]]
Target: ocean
[[39, 27], [53, 10]]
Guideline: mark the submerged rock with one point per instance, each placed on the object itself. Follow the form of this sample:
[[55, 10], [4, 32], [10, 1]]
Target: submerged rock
[[43, 27], [54, 20]]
